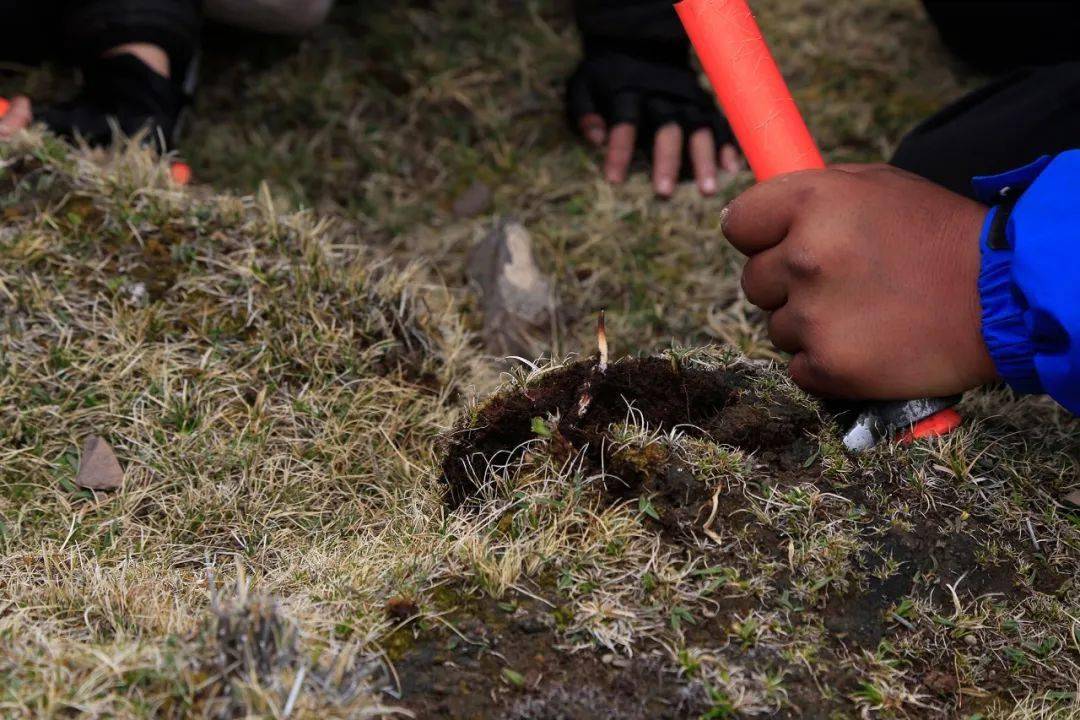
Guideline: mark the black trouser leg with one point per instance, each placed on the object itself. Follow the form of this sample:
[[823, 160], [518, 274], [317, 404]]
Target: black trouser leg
[[1002, 35], [25, 35], [1032, 111], [78, 30], [1006, 124]]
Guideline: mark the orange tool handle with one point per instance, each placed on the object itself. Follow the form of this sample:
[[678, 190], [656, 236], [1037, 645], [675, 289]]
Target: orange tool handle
[[756, 100], [763, 115], [4, 106]]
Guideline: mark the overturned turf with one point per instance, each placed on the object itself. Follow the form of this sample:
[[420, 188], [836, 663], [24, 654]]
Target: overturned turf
[[835, 583], [583, 402]]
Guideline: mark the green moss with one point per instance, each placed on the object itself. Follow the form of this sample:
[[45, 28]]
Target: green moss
[[399, 643]]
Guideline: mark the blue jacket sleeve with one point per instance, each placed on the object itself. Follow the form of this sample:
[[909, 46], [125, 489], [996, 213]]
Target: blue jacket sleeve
[[1029, 283]]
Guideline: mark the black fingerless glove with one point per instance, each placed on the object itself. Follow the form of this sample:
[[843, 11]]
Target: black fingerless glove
[[637, 70], [90, 28], [119, 90]]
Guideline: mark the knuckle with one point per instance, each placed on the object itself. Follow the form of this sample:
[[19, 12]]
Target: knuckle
[[797, 323], [803, 320], [804, 261], [781, 335], [731, 225], [804, 195], [801, 372]]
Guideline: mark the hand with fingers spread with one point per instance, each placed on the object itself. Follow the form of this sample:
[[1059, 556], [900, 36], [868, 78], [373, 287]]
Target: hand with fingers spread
[[128, 86], [636, 88], [871, 275]]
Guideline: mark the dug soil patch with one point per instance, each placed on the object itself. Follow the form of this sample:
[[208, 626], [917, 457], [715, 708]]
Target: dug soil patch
[[502, 661], [586, 402], [899, 549]]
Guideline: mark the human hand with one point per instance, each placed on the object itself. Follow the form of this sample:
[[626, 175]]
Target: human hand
[[16, 116], [619, 102], [871, 275], [128, 86]]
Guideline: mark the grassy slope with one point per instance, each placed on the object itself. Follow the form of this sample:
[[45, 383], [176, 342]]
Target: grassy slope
[[277, 393]]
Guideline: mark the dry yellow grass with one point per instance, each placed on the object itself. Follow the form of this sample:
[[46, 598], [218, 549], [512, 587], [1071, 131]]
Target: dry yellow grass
[[278, 386]]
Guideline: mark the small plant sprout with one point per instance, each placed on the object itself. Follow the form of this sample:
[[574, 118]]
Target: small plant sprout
[[601, 342], [585, 394]]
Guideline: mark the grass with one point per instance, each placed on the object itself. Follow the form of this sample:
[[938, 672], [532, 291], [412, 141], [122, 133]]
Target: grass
[[278, 354]]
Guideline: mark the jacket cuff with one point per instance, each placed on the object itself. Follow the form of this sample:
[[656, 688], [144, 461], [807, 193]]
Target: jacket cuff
[[1028, 281], [1004, 330]]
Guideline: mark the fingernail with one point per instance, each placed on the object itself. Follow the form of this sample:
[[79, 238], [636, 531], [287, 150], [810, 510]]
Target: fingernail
[[708, 185], [596, 136], [665, 187]]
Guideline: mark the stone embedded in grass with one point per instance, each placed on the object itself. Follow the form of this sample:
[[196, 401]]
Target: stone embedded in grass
[[517, 300], [99, 469]]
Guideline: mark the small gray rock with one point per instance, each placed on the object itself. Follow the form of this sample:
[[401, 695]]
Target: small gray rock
[[98, 468], [517, 299], [531, 624]]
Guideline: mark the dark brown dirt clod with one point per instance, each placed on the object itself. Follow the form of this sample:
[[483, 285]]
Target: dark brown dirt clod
[[401, 608], [666, 396]]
